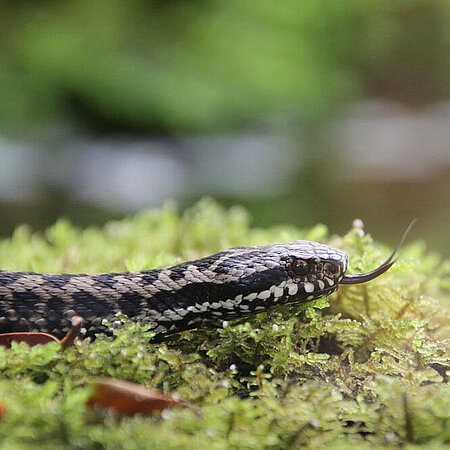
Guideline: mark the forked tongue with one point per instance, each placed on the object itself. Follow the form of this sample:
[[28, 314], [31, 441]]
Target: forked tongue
[[363, 277]]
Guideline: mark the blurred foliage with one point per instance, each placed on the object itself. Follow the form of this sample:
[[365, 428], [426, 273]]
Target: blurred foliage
[[368, 368], [190, 66]]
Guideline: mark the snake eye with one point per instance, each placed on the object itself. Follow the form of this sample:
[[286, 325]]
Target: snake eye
[[300, 267]]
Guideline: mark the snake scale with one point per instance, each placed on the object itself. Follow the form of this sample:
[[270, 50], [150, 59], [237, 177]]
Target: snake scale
[[201, 293]]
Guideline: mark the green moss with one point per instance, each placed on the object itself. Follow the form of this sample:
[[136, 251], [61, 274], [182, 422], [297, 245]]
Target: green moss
[[366, 367]]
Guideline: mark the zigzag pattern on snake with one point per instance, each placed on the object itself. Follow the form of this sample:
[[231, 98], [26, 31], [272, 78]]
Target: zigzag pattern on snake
[[204, 292]]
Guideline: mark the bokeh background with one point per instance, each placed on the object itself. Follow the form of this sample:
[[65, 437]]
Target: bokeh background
[[303, 111]]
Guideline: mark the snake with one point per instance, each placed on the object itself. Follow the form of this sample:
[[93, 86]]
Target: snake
[[207, 292]]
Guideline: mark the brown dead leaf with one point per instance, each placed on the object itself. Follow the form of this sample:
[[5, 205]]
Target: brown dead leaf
[[38, 338], [129, 398], [2, 410], [32, 338]]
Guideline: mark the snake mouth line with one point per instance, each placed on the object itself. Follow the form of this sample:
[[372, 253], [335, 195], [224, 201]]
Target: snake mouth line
[[363, 277]]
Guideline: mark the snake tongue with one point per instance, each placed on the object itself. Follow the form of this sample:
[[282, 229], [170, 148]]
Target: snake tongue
[[363, 277]]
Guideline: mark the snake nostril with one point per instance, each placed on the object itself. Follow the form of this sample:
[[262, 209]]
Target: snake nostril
[[330, 268]]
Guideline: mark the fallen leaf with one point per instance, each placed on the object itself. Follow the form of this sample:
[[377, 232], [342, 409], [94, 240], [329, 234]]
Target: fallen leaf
[[129, 398], [33, 338], [2, 410]]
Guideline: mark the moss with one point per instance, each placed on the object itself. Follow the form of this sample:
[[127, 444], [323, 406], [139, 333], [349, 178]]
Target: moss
[[367, 366]]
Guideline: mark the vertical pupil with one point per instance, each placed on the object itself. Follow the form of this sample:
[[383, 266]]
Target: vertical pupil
[[301, 267]]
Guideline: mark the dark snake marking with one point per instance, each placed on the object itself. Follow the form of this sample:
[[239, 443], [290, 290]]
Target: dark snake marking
[[230, 284]]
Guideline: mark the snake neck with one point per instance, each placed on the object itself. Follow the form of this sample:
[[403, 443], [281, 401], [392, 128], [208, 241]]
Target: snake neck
[[175, 299]]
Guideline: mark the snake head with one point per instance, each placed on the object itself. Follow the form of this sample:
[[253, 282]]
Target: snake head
[[295, 272], [246, 280], [313, 270]]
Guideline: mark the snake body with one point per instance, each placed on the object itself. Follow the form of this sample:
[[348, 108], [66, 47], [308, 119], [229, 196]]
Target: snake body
[[204, 292]]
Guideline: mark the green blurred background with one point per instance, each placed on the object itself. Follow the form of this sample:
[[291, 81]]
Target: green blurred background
[[304, 111]]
